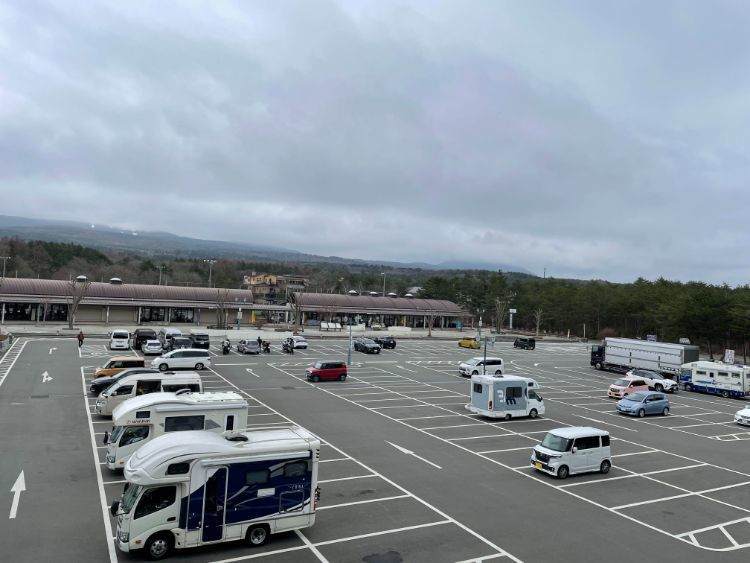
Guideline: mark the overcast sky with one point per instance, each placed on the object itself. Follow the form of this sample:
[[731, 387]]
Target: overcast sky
[[596, 139]]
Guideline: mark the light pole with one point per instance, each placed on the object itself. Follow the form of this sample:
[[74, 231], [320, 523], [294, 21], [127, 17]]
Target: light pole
[[4, 259], [160, 268], [349, 352], [383, 274], [210, 268]]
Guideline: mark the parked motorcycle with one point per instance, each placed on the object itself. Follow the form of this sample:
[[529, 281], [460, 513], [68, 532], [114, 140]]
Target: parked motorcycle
[[266, 346], [225, 347], [287, 347]]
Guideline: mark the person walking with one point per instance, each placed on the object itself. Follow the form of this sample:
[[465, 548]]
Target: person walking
[[260, 342], [80, 338]]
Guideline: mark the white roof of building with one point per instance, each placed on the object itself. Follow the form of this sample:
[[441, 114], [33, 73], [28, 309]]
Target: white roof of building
[[149, 463], [578, 432], [197, 400]]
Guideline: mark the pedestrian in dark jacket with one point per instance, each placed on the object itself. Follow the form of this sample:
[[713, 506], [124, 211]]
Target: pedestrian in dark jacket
[[80, 338]]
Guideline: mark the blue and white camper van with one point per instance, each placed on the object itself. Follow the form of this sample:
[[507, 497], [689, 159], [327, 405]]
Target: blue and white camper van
[[192, 488], [716, 378], [505, 396]]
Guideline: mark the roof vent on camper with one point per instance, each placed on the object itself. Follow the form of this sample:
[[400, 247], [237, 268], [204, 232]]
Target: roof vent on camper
[[235, 437], [353, 292], [82, 279], [115, 281], [183, 391]]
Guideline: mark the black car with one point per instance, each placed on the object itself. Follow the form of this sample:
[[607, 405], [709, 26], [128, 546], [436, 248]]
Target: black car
[[385, 341], [524, 343], [101, 383], [200, 340], [177, 342], [367, 346], [141, 335]]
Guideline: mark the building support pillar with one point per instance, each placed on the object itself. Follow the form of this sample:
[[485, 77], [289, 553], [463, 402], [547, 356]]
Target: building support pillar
[[106, 322]]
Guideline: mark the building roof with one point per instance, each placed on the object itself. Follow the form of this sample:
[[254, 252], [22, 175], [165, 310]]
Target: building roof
[[21, 289], [376, 304]]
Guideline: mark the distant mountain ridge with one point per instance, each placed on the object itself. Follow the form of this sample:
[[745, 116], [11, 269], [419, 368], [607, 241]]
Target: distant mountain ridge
[[157, 243]]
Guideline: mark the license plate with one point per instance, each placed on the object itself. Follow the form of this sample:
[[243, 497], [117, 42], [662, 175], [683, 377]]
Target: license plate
[[537, 465]]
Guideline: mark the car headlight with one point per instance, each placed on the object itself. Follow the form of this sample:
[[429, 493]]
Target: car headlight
[[123, 536]]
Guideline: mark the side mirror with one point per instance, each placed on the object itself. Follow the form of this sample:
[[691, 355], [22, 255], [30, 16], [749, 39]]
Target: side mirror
[[114, 507], [106, 437], [574, 450]]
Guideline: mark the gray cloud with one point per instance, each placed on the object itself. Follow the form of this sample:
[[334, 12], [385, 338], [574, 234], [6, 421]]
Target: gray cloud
[[598, 140]]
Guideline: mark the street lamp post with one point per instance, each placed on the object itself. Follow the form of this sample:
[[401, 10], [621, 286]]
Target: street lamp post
[[210, 268], [349, 352], [4, 259], [383, 274]]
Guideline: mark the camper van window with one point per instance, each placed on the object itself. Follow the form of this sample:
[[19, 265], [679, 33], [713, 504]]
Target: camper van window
[[133, 434], [154, 500], [129, 497], [178, 423], [116, 433], [230, 422], [723, 373], [145, 387], [178, 468], [295, 469], [532, 394], [143, 414], [477, 388], [605, 441], [124, 390], [513, 393], [256, 477], [700, 372], [736, 375]]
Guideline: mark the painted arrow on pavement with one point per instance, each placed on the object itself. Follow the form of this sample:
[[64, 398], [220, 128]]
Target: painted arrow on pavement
[[46, 377], [403, 450], [18, 487]]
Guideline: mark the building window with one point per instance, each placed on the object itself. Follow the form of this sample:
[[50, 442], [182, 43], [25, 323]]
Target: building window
[[181, 315], [153, 314], [20, 311], [55, 312]]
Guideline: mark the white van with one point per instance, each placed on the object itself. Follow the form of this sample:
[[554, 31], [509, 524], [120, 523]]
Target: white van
[[185, 358], [139, 420], [481, 365], [187, 489], [505, 396], [166, 335], [143, 384], [119, 339], [573, 449]]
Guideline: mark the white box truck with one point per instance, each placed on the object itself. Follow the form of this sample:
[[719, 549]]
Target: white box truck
[[623, 354]]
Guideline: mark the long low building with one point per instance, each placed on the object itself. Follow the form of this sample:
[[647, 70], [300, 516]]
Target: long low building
[[389, 311], [38, 300]]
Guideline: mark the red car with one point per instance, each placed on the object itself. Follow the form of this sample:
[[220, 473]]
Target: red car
[[326, 371]]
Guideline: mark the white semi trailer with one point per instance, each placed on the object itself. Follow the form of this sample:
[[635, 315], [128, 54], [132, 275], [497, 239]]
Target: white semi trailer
[[623, 354]]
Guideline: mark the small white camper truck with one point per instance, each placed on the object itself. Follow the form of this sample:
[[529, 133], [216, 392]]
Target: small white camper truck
[[141, 419], [505, 396], [186, 489]]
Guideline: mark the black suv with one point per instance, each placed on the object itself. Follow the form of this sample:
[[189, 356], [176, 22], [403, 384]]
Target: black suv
[[524, 343], [367, 346], [101, 383], [141, 335], [200, 340], [385, 341], [178, 342]]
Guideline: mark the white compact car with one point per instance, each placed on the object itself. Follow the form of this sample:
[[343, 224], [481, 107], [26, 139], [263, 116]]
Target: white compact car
[[571, 450], [743, 416], [300, 342], [654, 380], [151, 347], [481, 366], [185, 358], [119, 340]]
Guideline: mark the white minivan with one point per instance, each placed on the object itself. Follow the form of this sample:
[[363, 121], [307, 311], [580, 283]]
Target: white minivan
[[184, 358], [139, 420], [573, 449], [119, 339], [143, 384]]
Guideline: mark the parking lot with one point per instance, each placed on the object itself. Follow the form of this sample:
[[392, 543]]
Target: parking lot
[[407, 473]]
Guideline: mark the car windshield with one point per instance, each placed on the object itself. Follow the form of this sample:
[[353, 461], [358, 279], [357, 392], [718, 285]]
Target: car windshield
[[473, 361], [318, 365], [622, 383], [200, 336], [557, 443], [635, 397], [116, 433], [129, 498]]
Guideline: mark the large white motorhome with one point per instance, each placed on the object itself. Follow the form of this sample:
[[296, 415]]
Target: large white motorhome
[[186, 489], [623, 354], [716, 378], [139, 420], [505, 396]]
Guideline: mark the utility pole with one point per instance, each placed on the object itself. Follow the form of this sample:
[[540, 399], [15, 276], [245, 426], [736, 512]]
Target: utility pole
[[349, 353], [4, 259], [383, 274], [160, 268], [210, 268]]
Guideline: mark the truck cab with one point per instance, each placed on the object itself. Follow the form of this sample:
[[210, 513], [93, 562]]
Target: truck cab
[[597, 356]]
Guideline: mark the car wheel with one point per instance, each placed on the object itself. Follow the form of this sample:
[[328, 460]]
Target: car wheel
[[725, 394], [688, 386], [598, 365], [163, 367], [533, 413], [199, 366], [659, 387], [342, 377], [315, 378], [641, 413], [665, 412], [563, 472], [605, 466], [158, 546], [257, 536]]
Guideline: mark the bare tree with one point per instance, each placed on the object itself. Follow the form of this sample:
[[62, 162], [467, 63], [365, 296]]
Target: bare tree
[[296, 309], [502, 304], [222, 297], [78, 288], [430, 323], [538, 319], [44, 302]]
